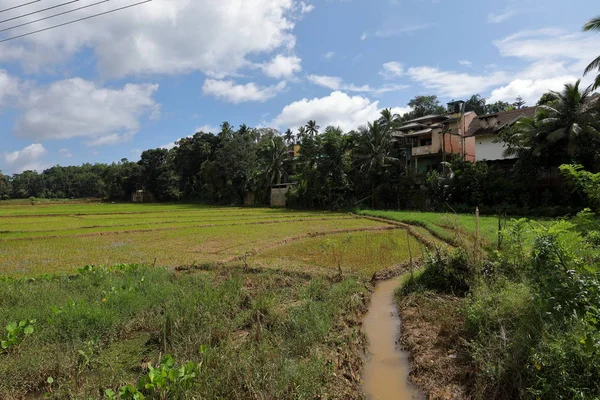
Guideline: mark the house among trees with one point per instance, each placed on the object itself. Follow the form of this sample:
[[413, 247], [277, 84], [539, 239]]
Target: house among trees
[[433, 139], [486, 129]]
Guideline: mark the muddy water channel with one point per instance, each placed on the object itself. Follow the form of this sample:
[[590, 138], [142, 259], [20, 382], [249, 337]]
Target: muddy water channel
[[387, 367]]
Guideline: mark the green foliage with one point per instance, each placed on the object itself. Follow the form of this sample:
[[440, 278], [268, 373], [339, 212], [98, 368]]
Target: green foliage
[[450, 273], [16, 334], [584, 182], [534, 320], [99, 328]]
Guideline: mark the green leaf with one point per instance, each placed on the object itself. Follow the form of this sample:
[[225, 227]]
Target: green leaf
[[50, 380], [28, 330], [11, 327]]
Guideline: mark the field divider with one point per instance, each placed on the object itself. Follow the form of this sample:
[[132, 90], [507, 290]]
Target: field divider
[[309, 235], [94, 234], [410, 228]]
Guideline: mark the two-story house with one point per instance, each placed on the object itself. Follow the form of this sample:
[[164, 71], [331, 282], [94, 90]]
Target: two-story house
[[485, 130], [428, 141]]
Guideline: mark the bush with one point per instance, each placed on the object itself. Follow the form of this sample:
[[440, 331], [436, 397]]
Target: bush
[[450, 273]]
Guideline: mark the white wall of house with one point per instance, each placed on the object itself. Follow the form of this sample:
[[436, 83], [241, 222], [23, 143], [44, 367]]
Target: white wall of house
[[486, 149]]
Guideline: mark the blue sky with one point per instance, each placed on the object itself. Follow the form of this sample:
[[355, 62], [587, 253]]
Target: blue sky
[[108, 88]]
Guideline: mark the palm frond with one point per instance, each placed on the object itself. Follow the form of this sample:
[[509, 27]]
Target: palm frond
[[558, 134], [594, 65], [596, 83], [592, 25]]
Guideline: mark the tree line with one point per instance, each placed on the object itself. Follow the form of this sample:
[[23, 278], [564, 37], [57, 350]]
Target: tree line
[[336, 169]]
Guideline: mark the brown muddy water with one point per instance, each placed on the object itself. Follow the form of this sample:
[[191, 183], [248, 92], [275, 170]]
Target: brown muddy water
[[387, 367]]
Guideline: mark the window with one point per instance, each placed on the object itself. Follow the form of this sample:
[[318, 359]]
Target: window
[[425, 142]]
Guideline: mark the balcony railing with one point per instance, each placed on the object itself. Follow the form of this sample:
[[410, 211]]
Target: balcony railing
[[421, 150]]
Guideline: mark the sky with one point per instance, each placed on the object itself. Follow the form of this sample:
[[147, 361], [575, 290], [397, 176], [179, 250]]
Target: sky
[[110, 87]]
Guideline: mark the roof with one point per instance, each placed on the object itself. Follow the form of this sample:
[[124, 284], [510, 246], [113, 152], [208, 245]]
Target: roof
[[411, 125], [504, 119], [428, 117]]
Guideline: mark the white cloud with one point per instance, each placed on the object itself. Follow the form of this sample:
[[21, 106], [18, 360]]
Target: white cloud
[[65, 153], [76, 108], [466, 63], [337, 83], [305, 8], [229, 91], [329, 55], [392, 69], [338, 109], [454, 84], [551, 44], [394, 29], [282, 66], [166, 37], [530, 89], [28, 159], [363, 36], [501, 17], [9, 87]]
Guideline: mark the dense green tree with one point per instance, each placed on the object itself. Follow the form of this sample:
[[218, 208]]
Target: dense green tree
[[159, 175], [477, 104], [422, 106], [593, 25], [547, 99], [498, 107], [519, 103], [5, 186], [27, 184]]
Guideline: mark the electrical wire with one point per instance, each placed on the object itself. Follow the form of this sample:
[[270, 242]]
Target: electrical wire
[[53, 16], [19, 6], [74, 21], [39, 11]]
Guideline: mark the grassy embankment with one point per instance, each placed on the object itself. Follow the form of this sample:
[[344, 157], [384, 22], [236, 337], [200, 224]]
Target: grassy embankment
[[521, 323]]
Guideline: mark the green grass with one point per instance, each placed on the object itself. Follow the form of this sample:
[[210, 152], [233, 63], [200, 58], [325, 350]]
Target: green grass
[[443, 225], [70, 236], [358, 253], [268, 334]]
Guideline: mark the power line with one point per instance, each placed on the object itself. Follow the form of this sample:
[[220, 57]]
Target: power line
[[39, 11], [74, 21], [19, 6], [53, 16]]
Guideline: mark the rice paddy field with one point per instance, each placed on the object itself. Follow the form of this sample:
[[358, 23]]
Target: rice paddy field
[[53, 239], [248, 303]]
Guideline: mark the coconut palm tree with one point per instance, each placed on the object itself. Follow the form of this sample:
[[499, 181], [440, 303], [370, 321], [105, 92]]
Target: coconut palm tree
[[312, 128], [276, 154], [301, 134], [570, 117], [373, 152], [563, 122], [289, 137], [389, 120], [593, 25]]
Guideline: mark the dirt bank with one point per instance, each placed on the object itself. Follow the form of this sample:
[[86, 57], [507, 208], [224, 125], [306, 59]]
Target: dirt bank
[[431, 333]]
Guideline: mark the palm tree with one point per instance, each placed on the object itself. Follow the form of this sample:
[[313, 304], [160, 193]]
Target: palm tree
[[389, 120], [289, 137], [373, 152], [570, 117], [593, 25], [301, 133], [276, 154], [226, 130], [561, 122], [312, 128]]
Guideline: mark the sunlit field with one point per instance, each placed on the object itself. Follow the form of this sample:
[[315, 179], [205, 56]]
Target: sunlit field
[[60, 238]]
